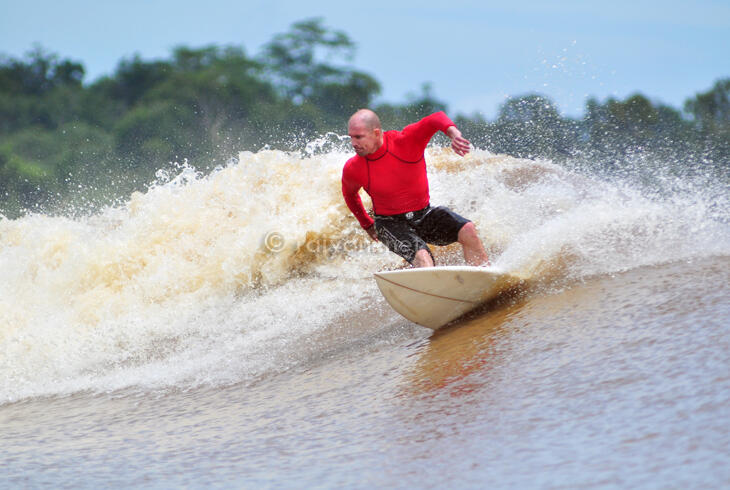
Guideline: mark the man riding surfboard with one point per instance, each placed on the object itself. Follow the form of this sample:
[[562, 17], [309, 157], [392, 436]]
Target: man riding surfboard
[[391, 167]]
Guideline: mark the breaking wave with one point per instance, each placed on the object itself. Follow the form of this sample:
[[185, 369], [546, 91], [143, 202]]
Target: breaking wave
[[227, 277]]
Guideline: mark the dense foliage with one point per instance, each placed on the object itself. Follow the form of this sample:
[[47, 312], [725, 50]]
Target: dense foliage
[[66, 144]]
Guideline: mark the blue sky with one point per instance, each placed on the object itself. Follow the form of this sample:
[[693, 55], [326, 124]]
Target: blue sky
[[473, 53]]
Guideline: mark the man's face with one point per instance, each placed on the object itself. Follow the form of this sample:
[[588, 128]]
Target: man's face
[[364, 140]]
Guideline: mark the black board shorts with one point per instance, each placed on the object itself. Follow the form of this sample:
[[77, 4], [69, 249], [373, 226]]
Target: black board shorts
[[405, 234]]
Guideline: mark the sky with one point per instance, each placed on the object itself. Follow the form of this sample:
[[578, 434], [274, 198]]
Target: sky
[[474, 54]]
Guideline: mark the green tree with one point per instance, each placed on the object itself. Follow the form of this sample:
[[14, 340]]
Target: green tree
[[291, 58], [635, 126], [41, 166], [531, 126], [38, 90], [711, 109], [213, 100], [294, 63], [38, 74], [135, 77], [710, 113], [417, 107]]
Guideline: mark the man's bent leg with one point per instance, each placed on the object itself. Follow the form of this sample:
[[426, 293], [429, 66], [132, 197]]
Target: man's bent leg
[[423, 259], [474, 253], [400, 238]]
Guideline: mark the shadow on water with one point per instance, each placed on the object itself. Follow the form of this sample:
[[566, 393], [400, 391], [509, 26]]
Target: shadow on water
[[467, 345]]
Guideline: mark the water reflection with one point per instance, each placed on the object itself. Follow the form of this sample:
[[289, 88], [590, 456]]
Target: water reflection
[[472, 345]]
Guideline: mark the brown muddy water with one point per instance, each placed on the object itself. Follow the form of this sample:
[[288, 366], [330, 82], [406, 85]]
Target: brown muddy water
[[618, 381]]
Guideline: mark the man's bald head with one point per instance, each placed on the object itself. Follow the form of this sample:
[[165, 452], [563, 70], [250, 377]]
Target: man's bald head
[[367, 118], [366, 134]]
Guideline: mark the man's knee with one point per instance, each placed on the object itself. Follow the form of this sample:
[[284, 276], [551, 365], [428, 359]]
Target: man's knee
[[468, 233], [423, 258]]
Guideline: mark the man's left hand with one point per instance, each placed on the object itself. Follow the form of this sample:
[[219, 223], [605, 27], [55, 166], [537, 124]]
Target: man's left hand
[[458, 143]]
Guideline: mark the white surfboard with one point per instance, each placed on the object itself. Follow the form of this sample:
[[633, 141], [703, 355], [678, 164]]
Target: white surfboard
[[434, 296]]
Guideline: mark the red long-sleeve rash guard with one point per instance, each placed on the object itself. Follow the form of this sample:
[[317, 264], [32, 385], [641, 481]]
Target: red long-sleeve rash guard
[[395, 174]]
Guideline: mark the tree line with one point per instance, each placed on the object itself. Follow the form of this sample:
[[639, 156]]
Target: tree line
[[69, 145]]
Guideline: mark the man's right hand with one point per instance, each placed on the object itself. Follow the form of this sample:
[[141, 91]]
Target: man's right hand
[[459, 144], [372, 232]]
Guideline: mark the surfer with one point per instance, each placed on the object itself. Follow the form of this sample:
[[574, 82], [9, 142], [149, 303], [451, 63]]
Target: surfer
[[391, 167]]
